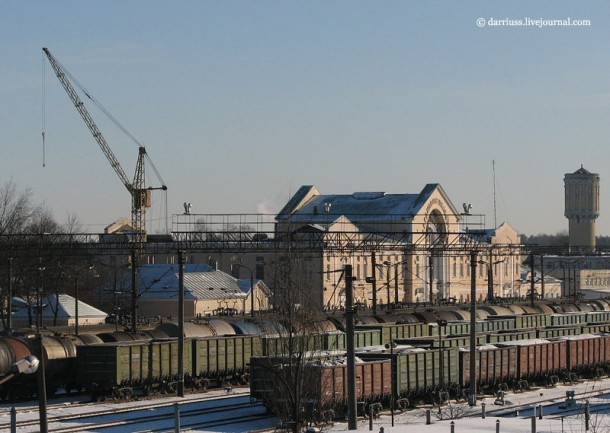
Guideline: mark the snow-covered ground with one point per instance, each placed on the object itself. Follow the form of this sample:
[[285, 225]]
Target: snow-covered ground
[[468, 419], [464, 418]]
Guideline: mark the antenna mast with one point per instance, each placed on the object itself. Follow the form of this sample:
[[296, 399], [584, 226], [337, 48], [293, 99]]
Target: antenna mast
[[493, 167]]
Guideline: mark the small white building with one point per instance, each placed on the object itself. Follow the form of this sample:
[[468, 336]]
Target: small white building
[[61, 307]]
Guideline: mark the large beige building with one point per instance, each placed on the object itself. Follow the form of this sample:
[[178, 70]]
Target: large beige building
[[416, 247]]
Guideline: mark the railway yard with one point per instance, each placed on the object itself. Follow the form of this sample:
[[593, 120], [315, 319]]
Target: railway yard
[[522, 351]]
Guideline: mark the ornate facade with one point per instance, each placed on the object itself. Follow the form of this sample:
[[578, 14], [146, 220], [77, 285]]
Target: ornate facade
[[403, 248]]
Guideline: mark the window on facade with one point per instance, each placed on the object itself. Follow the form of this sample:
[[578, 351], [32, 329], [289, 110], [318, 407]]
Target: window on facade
[[259, 271], [455, 266]]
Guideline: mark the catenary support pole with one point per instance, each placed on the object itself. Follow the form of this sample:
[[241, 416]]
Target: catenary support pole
[[542, 288], [352, 423], [134, 291], [532, 281], [9, 319], [472, 394], [374, 270], [42, 385], [181, 323]]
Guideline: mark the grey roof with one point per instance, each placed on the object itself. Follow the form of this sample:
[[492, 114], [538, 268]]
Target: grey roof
[[357, 207], [200, 282], [64, 305]]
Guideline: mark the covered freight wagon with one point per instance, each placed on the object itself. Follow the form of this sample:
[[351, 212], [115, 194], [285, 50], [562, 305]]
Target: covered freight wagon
[[224, 358], [120, 369], [494, 365], [538, 358]]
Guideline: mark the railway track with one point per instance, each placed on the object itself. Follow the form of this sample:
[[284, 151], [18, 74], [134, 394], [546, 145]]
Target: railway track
[[526, 408], [64, 417], [142, 420]]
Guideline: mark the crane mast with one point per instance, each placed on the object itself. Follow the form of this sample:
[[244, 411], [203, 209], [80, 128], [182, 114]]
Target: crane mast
[[140, 195]]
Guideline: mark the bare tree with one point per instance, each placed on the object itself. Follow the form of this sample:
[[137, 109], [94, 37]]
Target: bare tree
[[72, 225], [291, 371], [42, 221], [15, 208]]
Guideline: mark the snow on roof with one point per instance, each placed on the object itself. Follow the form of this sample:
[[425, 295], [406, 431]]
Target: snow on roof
[[65, 307], [320, 208], [200, 282]]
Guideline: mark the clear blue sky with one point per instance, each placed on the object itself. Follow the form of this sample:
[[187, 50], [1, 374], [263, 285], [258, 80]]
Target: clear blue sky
[[241, 102]]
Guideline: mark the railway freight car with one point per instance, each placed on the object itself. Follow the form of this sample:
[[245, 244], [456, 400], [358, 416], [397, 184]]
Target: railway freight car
[[265, 371], [417, 371], [323, 381], [587, 354], [494, 366], [391, 331], [121, 369], [11, 351], [539, 360], [373, 383], [217, 360]]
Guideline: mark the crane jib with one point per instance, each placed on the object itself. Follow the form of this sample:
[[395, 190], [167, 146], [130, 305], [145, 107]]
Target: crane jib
[[139, 193]]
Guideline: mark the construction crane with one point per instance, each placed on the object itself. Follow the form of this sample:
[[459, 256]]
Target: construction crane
[[140, 194]]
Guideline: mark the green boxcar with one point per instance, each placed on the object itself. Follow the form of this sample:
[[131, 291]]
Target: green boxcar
[[362, 338], [392, 331], [560, 331], [527, 321], [452, 328], [224, 357], [113, 364], [163, 359], [446, 341], [498, 337], [597, 317], [417, 370], [494, 325], [567, 319], [595, 328], [276, 345]]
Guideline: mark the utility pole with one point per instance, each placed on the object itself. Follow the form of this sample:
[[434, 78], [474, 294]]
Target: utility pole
[[532, 278], [431, 275], [490, 279], [387, 281], [352, 422], [134, 290], [396, 285], [472, 394], [10, 295], [374, 281], [181, 323], [542, 290], [42, 384]]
